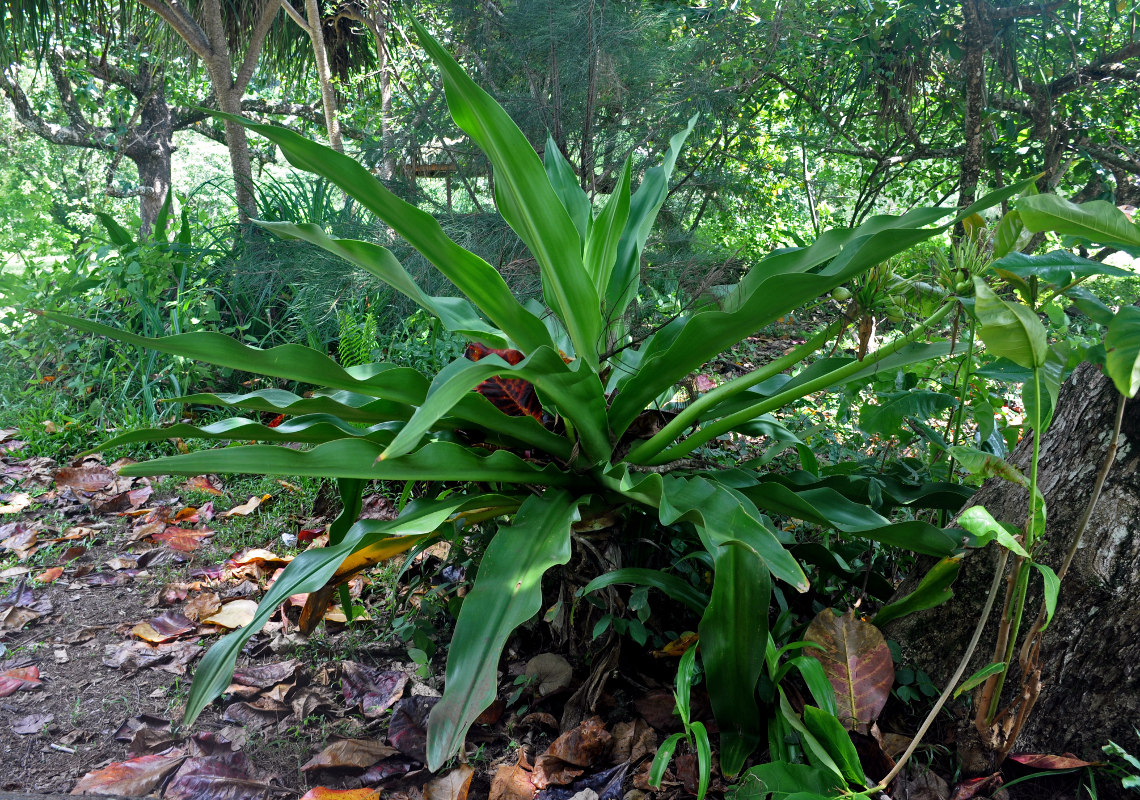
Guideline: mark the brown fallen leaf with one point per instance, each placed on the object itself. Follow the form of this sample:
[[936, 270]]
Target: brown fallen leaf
[[570, 754], [163, 628], [1041, 761], [87, 478], [408, 727], [14, 503], [246, 508], [202, 483], [452, 786], [32, 723], [18, 679], [235, 614], [185, 539], [134, 778], [549, 672], [202, 605], [263, 676], [354, 753], [633, 740], [14, 618], [49, 575], [513, 782], [323, 793], [977, 787], [372, 689], [224, 776], [858, 664], [118, 562]]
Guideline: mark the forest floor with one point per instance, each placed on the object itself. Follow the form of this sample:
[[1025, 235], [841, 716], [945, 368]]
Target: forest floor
[[112, 588]]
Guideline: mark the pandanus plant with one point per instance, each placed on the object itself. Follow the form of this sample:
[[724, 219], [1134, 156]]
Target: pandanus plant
[[556, 406]]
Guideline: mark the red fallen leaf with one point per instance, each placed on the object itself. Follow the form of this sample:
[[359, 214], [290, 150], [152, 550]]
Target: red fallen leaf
[[373, 690], [163, 628], [185, 539], [453, 786], [49, 575], [17, 679], [323, 793], [355, 753], [858, 664], [87, 478], [513, 396], [387, 769], [273, 423], [189, 514], [408, 728], [1063, 761], [308, 534], [134, 778], [203, 484], [967, 790], [225, 776]]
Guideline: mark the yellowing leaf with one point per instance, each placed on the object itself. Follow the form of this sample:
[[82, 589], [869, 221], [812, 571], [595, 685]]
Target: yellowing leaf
[[235, 614]]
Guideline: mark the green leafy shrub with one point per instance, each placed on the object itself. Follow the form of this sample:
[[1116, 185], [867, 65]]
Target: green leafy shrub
[[565, 430]]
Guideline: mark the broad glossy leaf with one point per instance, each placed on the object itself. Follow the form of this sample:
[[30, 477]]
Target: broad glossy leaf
[[1059, 267], [606, 232], [779, 780], [1007, 234], [507, 592], [1122, 345], [1090, 305], [857, 662], [933, 590], [1097, 221], [734, 633], [675, 587], [894, 409], [569, 190], [475, 278], [310, 571], [887, 489], [358, 458], [1009, 330], [1052, 590], [816, 753], [348, 406], [978, 521], [643, 209], [289, 361], [832, 735], [526, 200], [310, 429], [811, 670], [456, 313]]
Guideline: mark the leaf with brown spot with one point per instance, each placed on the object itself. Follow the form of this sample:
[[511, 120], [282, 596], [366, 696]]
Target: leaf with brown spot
[[353, 753], [858, 664], [133, 778], [452, 786], [18, 679], [163, 628], [1063, 761], [185, 539]]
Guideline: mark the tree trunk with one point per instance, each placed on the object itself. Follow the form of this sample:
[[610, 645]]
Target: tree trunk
[[152, 156], [1090, 657]]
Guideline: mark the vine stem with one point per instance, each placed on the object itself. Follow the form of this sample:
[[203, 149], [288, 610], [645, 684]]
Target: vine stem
[[995, 586]]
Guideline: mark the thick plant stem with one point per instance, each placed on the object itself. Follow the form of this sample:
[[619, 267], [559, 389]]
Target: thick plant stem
[[650, 453], [995, 585], [692, 413]]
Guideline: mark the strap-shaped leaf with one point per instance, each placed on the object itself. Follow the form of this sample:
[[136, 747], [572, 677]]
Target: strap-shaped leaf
[[734, 634], [289, 361], [833, 736], [308, 429], [569, 191], [475, 278], [1009, 330], [455, 313], [526, 200], [507, 592], [574, 390], [311, 570], [606, 231], [933, 590], [358, 458], [827, 507], [720, 514], [349, 406], [643, 208], [882, 491]]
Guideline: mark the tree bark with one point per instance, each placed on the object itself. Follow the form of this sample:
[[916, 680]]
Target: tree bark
[[1090, 655]]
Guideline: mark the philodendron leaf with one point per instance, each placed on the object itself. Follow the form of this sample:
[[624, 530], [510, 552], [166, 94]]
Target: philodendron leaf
[[1052, 591], [933, 590], [857, 662], [978, 677], [1009, 329], [1097, 221], [1122, 343], [507, 592], [985, 528], [895, 408]]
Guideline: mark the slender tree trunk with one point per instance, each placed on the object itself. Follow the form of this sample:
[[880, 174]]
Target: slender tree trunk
[[1090, 657], [156, 134], [974, 30]]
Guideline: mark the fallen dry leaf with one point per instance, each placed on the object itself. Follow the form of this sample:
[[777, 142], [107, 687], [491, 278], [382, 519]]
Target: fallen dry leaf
[[1040, 761], [225, 776], [15, 503], [322, 793], [163, 628], [202, 483], [235, 614], [408, 728], [633, 740], [87, 478], [550, 672], [185, 539], [570, 754], [202, 605], [262, 676], [513, 782], [372, 689], [18, 679], [49, 575], [977, 787], [452, 786], [358, 753], [14, 618], [32, 723], [246, 508], [135, 778]]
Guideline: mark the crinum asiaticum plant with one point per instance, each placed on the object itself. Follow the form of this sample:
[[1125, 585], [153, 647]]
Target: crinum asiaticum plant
[[607, 455]]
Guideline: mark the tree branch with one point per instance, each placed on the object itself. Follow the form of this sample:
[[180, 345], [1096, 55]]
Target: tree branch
[[184, 24], [1031, 10], [1108, 67], [86, 136], [256, 42]]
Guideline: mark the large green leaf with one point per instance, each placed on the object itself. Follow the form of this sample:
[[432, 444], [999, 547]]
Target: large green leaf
[[606, 233], [734, 633], [289, 361], [358, 458], [308, 429], [349, 406], [507, 592], [831, 734], [643, 208], [475, 278], [1097, 221], [310, 571], [526, 200], [1059, 267], [1122, 345], [780, 780], [895, 408], [574, 390], [569, 191], [933, 590], [456, 313], [1009, 330]]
